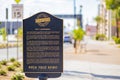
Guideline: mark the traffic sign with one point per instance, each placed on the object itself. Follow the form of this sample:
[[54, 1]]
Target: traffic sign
[[17, 11]]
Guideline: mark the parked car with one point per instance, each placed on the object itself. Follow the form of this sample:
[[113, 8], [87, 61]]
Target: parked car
[[67, 38]]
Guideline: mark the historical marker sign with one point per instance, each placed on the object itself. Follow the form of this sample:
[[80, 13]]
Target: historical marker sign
[[43, 45]]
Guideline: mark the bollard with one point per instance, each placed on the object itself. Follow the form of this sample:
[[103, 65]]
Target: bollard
[[42, 77]]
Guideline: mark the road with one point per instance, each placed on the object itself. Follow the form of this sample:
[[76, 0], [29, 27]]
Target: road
[[12, 53]]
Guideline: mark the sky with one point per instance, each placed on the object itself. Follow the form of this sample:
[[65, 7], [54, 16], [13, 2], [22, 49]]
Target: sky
[[31, 7]]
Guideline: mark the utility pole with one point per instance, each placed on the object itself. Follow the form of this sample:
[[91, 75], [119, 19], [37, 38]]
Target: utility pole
[[81, 21], [74, 13], [81, 9], [110, 32], [74, 3]]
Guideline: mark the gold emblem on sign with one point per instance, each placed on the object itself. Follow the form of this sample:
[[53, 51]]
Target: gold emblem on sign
[[42, 20]]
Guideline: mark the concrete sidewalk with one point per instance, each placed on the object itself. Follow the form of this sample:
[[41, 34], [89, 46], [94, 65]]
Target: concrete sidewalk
[[96, 51], [78, 70]]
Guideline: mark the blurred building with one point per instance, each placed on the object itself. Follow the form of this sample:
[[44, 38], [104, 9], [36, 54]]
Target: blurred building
[[91, 30], [77, 17], [104, 14], [11, 26], [106, 26]]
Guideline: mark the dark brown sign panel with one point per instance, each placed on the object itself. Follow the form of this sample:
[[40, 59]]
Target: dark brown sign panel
[[43, 45]]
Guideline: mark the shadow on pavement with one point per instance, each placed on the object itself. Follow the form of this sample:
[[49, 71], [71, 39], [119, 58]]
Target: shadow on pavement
[[105, 76], [100, 54], [93, 50], [83, 74]]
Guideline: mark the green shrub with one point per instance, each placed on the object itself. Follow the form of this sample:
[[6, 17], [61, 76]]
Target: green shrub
[[118, 46], [11, 68], [17, 77], [3, 31], [97, 36], [17, 64], [20, 33], [21, 70], [12, 60], [100, 37], [117, 40], [3, 62], [114, 37], [9, 45], [2, 72], [0, 66]]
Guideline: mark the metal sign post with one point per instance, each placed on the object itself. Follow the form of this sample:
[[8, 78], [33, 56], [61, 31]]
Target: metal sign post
[[7, 32], [43, 77], [17, 13]]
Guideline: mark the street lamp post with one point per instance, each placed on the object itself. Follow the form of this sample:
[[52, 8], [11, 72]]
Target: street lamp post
[[81, 9], [74, 13], [81, 15], [74, 3], [110, 25]]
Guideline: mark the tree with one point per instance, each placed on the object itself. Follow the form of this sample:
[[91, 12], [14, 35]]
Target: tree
[[98, 20], [114, 5], [17, 1], [3, 32], [78, 35], [20, 33]]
